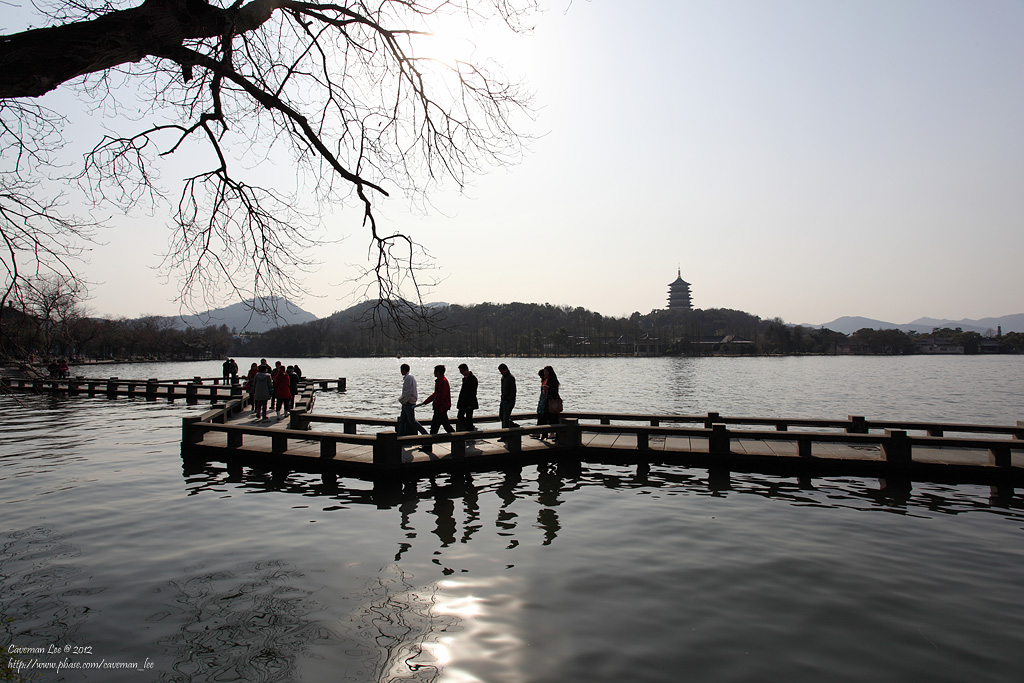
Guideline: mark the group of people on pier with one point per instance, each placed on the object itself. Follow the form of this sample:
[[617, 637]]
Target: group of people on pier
[[548, 407], [59, 369], [275, 386]]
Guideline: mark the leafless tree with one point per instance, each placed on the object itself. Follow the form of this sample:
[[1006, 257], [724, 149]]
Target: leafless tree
[[55, 305], [339, 87], [40, 242]]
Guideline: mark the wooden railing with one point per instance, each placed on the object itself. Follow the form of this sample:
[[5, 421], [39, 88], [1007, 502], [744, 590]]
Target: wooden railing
[[350, 423], [854, 424], [897, 445], [387, 445], [192, 390]]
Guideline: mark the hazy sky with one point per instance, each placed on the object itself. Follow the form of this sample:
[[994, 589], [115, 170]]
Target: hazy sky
[[802, 159]]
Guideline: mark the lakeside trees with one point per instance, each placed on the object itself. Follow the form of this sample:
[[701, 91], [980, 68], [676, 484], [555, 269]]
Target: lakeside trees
[[342, 91], [515, 329]]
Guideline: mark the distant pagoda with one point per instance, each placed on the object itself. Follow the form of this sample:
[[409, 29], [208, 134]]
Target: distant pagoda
[[679, 294]]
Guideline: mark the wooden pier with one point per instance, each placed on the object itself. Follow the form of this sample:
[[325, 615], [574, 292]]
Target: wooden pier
[[194, 390], [856, 446]]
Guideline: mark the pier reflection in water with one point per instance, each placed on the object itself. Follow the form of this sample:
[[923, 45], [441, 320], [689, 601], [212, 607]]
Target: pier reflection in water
[[642, 563], [552, 573]]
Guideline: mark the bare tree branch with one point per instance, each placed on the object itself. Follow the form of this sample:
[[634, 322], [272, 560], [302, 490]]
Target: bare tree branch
[[338, 86]]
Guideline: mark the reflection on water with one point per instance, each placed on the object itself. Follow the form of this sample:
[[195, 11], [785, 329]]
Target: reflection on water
[[252, 624], [548, 573], [453, 502], [246, 624], [249, 623], [42, 587]]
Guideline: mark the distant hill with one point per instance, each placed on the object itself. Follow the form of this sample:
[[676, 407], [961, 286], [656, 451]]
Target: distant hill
[[241, 316], [1009, 323], [850, 324]]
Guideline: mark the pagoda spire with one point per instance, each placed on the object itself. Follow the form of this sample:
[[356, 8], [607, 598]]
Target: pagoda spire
[[679, 293]]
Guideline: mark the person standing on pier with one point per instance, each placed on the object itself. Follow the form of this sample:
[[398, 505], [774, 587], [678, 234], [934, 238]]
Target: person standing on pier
[[282, 390], [262, 390], [467, 399], [275, 374], [442, 400], [508, 397], [253, 369], [550, 405], [407, 423]]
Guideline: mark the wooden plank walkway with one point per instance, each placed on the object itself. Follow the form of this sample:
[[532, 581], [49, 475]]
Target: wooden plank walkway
[[289, 444]]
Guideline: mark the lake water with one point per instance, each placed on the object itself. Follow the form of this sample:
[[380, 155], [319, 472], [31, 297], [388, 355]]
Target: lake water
[[609, 574]]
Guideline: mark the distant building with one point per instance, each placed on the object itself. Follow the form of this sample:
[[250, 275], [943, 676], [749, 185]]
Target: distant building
[[679, 294], [934, 346], [989, 346]]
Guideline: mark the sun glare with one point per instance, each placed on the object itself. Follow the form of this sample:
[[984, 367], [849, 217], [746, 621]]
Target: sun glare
[[453, 38], [448, 48]]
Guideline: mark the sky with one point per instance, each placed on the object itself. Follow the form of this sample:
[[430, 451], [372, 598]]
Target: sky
[[801, 159]]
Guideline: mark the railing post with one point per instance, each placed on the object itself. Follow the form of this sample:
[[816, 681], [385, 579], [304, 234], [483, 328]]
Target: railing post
[[295, 420], [804, 445], [151, 386], [573, 437], [514, 443], [712, 418], [655, 422], [234, 439], [236, 389], [858, 425], [112, 387], [459, 445], [234, 407], [188, 434], [718, 442], [73, 387], [349, 426], [191, 393], [1019, 434], [386, 451], [279, 443], [897, 447], [605, 420], [342, 384], [999, 455], [643, 441], [781, 427], [328, 449]]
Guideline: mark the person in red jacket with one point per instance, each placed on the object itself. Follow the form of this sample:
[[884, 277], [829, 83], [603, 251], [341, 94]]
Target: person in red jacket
[[282, 390], [442, 400]]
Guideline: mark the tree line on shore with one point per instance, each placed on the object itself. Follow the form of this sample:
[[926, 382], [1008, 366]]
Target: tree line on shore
[[515, 329]]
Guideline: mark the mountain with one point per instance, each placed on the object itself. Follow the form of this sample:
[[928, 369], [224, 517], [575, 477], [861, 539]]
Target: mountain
[[241, 316], [1009, 323], [850, 324]]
